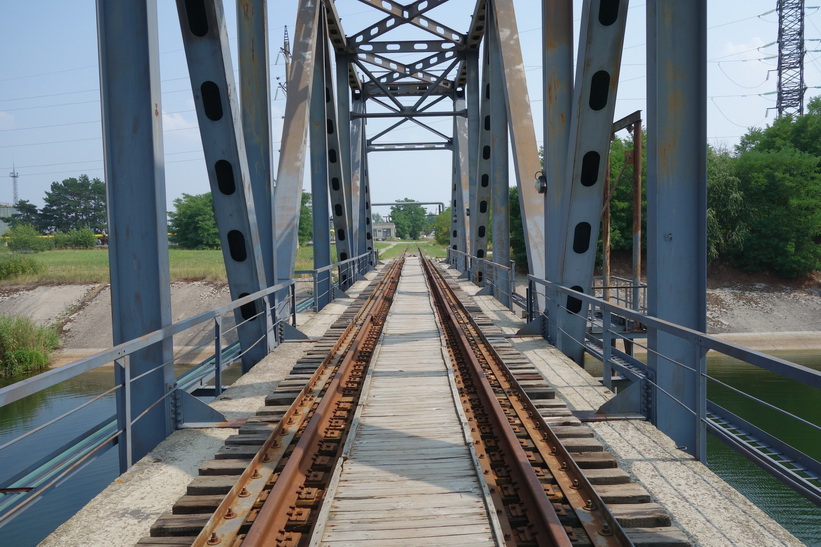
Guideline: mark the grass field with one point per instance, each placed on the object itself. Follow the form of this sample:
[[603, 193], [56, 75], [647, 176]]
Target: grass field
[[91, 266], [428, 249]]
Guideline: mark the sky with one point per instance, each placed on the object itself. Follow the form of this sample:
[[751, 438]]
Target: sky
[[50, 126]]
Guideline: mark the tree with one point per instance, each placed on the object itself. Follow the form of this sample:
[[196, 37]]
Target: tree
[[193, 223], [27, 213], [726, 211], [782, 193], [26, 238], [376, 217], [75, 204], [441, 227], [410, 220], [306, 226]]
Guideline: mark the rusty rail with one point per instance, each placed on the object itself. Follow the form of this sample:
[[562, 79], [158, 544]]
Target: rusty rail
[[266, 494], [599, 524]]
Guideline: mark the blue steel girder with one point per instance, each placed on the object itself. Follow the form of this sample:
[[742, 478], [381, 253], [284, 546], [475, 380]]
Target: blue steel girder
[[288, 190], [480, 200], [676, 213], [522, 134], [339, 185], [472, 98], [255, 101], [135, 188], [459, 190], [360, 219], [209, 65], [500, 187], [415, 16], [594, 100], [557, 24], [319, 185]]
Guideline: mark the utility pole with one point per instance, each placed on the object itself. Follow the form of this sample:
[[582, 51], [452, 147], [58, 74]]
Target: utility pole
[[790, 57], [14, 175]]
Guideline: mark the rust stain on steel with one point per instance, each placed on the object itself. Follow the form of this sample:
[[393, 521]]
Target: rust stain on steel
[[269, 525], [234, 510], [546, 523], [600, 525]]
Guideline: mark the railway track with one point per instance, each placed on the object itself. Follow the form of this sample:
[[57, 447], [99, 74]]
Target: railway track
[[469, 447]]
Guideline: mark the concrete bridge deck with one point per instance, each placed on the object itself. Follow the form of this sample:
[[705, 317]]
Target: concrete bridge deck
[[705, 507]]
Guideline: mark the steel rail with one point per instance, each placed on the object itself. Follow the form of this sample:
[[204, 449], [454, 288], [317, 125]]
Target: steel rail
[[548, 529], [228, 519], [599, 523], [270, 524]]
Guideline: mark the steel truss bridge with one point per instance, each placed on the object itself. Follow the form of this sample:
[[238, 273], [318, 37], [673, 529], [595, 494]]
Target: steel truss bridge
[[339, 78]]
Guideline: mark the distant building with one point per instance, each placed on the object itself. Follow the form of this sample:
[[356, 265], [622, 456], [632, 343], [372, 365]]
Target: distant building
[[6, 210], [384, 230]]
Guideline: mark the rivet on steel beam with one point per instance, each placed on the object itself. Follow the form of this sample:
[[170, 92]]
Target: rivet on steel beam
[[230, 514], [605, 530], [588, 505], [255, 474], [243, 493], [575, 484], [213, 540]]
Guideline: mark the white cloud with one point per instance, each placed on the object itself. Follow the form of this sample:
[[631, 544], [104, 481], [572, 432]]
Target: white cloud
[[6, 120], [176, 121], [747, 50]]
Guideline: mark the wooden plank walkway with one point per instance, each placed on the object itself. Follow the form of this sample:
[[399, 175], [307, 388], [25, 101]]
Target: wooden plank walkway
[[409, 476]]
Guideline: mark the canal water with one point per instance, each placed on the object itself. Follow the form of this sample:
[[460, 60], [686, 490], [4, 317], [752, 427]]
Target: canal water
[[796, 514]]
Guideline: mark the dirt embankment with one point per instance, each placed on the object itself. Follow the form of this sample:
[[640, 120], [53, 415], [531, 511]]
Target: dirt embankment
[[765, 314], [82, 313]]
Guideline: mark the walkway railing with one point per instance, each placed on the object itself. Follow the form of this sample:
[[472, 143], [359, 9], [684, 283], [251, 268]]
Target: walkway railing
[[798, 470], [497, 279], [26, 479], [325, 287]]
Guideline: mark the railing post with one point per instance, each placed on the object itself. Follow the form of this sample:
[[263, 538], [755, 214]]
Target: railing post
[[315, 278], [511, 283], [124, 415], [292, 290], [607, 340], [217, 356], [529, 300]]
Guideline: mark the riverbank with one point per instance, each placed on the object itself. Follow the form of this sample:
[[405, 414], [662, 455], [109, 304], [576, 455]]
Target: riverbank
[[763, 317]]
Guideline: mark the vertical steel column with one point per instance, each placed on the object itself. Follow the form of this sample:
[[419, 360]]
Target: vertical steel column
[[522, 134], [557, 70], [360, 220], [288, 191], [319, 183], [339, 186], [135, 188], [458, 234], [343, 129], [473, 105], [676, 212], [594, 101], [255, 101], [209, 66], [366, 193], [636, 214], [480, 208], [499, 165]]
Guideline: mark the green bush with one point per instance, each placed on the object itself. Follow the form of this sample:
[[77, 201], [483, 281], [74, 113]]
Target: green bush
[[25, 238], [24, 345], [12, 265], [75, 239]]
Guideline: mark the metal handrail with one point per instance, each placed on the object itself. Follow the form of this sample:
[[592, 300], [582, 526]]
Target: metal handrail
[[636, 370]]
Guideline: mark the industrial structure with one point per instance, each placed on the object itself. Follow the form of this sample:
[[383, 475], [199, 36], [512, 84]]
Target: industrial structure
[[408, 67], [341, 77]]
